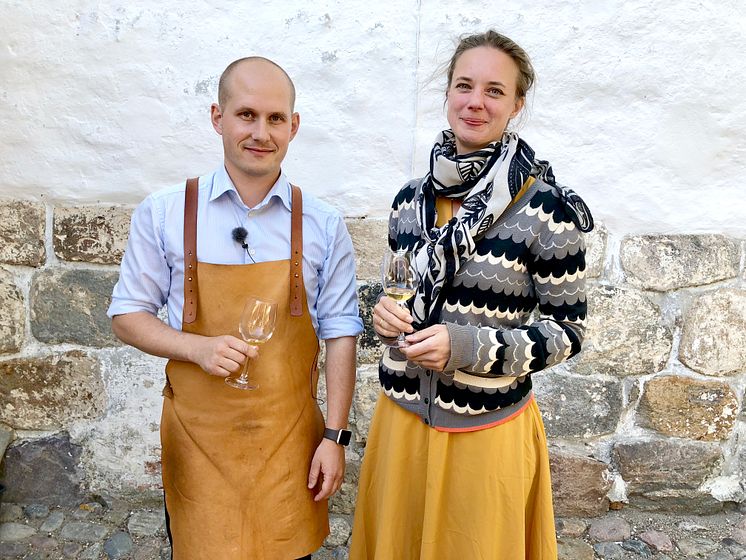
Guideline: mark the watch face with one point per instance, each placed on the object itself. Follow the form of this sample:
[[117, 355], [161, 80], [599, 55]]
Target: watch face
[[344, 437]]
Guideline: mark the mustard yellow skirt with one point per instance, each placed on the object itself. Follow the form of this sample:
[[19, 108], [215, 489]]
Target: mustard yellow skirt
[[430, 495]]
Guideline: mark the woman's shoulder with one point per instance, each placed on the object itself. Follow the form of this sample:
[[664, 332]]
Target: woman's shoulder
[[562, 202], [408, 192]]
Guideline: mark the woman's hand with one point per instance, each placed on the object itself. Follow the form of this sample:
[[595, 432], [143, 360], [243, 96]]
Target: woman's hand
[[429, 348], [390, 319]]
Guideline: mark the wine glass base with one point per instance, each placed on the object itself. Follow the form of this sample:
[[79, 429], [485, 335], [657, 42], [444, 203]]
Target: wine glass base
[[236, 383]]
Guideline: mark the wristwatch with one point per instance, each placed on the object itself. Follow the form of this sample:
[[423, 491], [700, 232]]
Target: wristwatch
[[342, 437]]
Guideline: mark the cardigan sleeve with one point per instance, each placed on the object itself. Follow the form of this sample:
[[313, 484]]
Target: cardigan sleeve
[[557, 272]]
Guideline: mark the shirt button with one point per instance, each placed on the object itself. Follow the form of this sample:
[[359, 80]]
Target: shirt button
[[252, 252], [427, 401]]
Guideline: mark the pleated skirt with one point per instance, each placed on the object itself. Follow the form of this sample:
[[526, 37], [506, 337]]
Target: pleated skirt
[[430, 495]]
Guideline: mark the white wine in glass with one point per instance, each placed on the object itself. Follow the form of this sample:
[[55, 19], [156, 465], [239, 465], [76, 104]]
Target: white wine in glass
[[399, 279], [256, 326]]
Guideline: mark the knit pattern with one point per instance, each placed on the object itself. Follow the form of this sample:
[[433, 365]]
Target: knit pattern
[[516, 307]]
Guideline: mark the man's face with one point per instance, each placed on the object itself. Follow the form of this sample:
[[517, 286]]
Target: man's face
[[256, 122]]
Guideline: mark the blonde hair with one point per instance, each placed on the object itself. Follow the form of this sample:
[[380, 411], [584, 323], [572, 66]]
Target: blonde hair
[[495, 40]]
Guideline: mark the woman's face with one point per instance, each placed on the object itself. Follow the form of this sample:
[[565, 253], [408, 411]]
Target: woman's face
[[482, 97]]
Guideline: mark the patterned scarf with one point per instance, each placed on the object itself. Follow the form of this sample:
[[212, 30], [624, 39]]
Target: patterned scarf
[[488, 179]]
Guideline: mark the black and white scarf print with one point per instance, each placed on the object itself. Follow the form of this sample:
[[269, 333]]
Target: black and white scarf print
[[488, 179]]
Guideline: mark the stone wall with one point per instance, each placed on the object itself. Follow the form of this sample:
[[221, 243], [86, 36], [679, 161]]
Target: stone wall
[[650, 414]]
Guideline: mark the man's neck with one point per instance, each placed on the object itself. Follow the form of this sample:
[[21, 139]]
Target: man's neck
[[252, 190]]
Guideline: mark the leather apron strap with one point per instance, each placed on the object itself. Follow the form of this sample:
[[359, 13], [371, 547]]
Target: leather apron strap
[[296, 254], [190, 251]]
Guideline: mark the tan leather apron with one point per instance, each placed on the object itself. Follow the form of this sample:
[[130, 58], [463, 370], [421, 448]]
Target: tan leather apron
[[235, 463]]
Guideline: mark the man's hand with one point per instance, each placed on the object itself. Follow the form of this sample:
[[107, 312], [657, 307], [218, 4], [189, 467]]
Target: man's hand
[[329, 464], [390, 319], [430, 347], [217, 355], [221, 355]]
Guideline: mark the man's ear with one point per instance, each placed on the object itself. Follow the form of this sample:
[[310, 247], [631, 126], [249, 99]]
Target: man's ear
[[294, 124], [216, 117]]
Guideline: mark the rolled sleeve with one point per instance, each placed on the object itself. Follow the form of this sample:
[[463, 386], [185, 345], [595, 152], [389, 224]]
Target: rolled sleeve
[[336, 306], [144, 276]]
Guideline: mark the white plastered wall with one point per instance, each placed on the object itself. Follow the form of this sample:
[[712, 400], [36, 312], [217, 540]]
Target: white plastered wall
[[641, 108]]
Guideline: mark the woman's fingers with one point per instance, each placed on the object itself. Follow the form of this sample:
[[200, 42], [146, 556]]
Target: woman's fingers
[[389, 319], [430, 347]]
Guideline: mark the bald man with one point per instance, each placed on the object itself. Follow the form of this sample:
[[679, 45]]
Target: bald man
[[248, 465]]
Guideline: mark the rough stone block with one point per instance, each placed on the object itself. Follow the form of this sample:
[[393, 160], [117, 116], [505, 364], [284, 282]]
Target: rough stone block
[[573, 406], [713, 339], [12, 314], [49, 392], [44, 471], [670, 262], [70, 306], [683, 407], [369, 345], [370, 240], [22, 226], [666, 475], [6, 436], [340, 531], [367, 391], [574, 549], [579, 484], [91, 233], [595, 251], [626, 334]]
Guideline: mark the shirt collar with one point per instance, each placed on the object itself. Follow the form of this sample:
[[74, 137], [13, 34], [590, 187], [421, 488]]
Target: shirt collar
[[222, 184]]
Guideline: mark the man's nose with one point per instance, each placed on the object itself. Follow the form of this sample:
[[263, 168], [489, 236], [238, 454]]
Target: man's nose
[[260, 131]]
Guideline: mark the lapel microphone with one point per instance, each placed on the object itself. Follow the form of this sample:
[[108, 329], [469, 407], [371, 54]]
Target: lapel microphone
[[239, 235]]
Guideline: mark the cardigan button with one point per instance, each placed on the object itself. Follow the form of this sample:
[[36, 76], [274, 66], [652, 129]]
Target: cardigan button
[[427, 401]]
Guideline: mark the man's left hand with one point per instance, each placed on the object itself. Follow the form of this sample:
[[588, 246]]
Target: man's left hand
[[328, 464]]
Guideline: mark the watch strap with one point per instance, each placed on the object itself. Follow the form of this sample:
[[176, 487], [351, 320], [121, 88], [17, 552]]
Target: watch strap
[[341, 437]]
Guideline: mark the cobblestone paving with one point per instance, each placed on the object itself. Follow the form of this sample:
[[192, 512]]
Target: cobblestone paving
[[116, 529]]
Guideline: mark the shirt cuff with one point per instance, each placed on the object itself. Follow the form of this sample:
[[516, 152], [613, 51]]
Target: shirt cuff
[[337, 327], [122, 307], [463, 346]]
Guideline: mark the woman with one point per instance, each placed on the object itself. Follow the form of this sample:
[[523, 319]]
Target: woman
[[456, 465]]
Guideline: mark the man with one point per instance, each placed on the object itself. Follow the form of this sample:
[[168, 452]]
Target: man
[[246, 474]]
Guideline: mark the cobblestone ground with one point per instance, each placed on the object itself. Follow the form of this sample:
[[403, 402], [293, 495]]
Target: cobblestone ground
[[112, 529]]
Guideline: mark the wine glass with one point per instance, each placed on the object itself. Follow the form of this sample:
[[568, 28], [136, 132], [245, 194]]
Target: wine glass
[[399, 279], [256, 326]]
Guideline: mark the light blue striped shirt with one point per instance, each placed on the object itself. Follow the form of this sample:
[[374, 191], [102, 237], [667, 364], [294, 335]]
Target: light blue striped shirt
[[152, 271]]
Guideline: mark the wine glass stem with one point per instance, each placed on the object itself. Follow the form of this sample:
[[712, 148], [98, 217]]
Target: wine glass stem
[[400, 339], [244, 377]]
